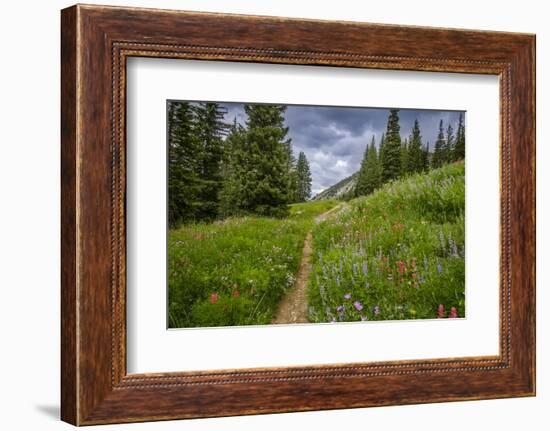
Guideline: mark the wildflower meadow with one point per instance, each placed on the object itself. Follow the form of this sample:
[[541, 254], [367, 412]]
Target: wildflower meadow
[[284, 214], [235, 271], [395, 254]]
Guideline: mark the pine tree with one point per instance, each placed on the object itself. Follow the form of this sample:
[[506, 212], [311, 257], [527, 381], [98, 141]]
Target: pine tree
[[417, 155], [460, 142], [303, 189], [391, 166], [369, 175], [438, 158], [209, 131], [449, 145], [184, 183]]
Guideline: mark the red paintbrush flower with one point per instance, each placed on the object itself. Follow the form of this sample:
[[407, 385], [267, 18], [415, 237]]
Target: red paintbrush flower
[[213, 298], [441, 311], [453, 313]]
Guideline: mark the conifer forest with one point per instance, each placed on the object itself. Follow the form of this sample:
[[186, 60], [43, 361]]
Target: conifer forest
[[281, 214]]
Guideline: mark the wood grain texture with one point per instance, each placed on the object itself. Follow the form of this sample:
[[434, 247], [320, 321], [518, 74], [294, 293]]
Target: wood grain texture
[[96, 41], [69, 366]]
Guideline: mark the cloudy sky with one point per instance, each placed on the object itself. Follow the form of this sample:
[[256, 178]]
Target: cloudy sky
[[334, 138]]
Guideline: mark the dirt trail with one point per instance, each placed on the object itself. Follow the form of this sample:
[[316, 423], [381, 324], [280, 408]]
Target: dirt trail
[[293, 306]]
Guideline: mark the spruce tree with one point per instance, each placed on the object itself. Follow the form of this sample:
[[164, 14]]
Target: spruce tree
[[391, 163], [417, 155], [303, 179], [404, 157], [449, 144], [293, 180], [426, 157], [235, 164], [369, 175], [209, 131], [266, 183], [184, 183], [381, 153], [438, 158], [361, 185], [460, 142]]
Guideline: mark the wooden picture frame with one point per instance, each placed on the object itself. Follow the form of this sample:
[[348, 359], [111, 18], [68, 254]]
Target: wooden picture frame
[[95, 43]]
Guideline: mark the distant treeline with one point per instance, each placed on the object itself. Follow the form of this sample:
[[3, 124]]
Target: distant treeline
[[395, 158], [216, 170]]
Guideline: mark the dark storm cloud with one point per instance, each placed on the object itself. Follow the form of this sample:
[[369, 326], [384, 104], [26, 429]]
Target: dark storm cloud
[[334, 138]]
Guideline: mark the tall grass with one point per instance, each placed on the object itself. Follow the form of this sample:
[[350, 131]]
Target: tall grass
[[235, 271], [396, 254]]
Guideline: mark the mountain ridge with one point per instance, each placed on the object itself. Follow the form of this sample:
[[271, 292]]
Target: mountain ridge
[[340, 190]]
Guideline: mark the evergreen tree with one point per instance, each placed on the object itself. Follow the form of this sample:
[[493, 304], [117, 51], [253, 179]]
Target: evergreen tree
[[460, 142], [449, 145], [209, 131], [416, 160], [404, 157], [426, 157], [303, 179], [381, 154], [265, 184], [293, 180], [391, 163], [184, 184], [235, 164], [438, 158], [361, 186], [368, 179]]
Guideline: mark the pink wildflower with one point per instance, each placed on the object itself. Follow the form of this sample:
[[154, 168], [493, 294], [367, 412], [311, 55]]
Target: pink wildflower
[[213, 298]]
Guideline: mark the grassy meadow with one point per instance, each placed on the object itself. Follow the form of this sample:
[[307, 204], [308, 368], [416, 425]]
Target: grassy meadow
[[235, 271], [395, 254]]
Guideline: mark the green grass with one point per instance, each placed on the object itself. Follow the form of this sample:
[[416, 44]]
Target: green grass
[[396, 254], [235, 271]]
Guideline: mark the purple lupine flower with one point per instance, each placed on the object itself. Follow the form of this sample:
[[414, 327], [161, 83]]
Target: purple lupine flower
[[363, 318], [454, 248], [347, 296], [442, 241], [365, 269], [439, 267], [376, 310], [358, 305], [340, 309]]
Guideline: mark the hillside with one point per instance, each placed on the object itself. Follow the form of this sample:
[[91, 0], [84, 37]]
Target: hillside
[[395, 254], [338, 190]]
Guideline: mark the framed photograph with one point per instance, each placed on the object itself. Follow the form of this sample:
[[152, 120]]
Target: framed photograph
[[264, 215]]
